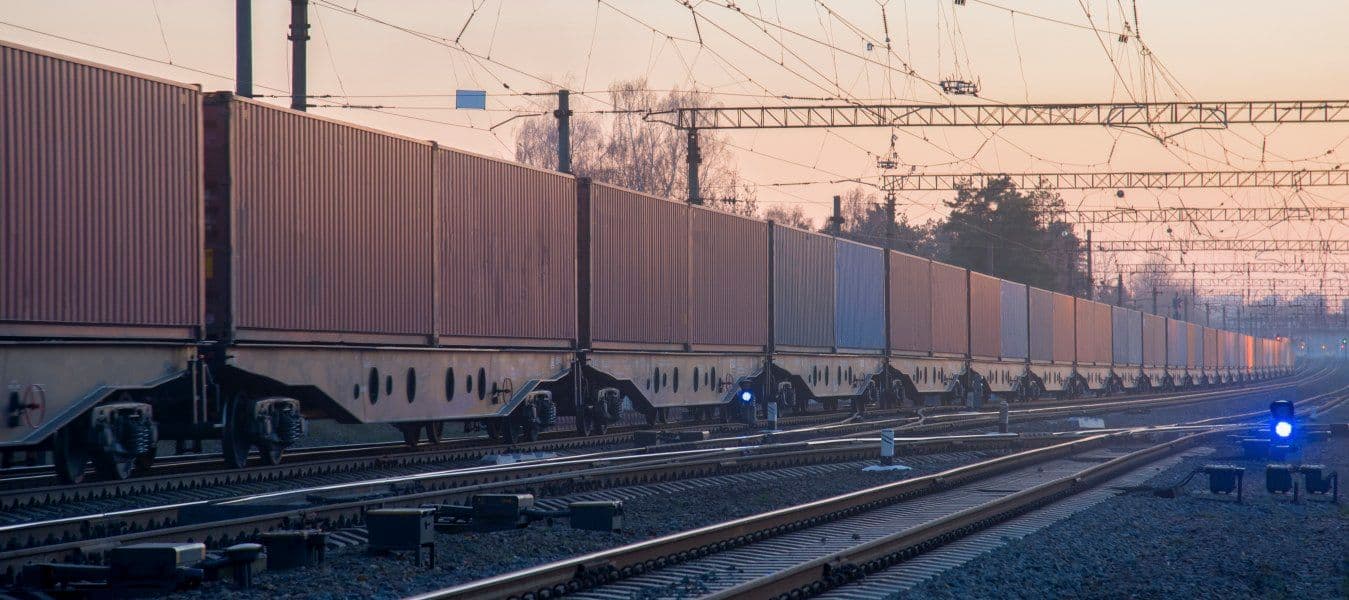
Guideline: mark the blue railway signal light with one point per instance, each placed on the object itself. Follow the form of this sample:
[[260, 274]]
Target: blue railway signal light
[[1281, 419]]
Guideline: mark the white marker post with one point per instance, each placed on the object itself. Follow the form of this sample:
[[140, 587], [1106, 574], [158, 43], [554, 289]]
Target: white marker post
[[773, 415], [887, 447]]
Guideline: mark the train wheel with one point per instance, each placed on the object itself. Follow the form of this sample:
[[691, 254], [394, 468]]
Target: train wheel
[[652, 416], [531, 431], [271, 455], [434, 431], [69, 455], [507, 430], [235, 440], [113, 465], [582, 422], [147, 460], [412, 434]]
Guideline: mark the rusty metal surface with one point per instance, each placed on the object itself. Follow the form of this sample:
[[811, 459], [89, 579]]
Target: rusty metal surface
[[1041, 324], [728, 279], [985, 315], [950, 306], [100, 200], [1065, 328], [639, 256], [332, 227], [507, 243], [1093, 333], [859, 296], [803, 288], [1249, 353], [910, 303], [1015, 341], [1126, 336], [1154, 340]]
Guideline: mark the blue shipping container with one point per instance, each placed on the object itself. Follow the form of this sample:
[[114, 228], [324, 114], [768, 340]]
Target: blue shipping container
[[859, 296], [1127, 336], [1015, 341]]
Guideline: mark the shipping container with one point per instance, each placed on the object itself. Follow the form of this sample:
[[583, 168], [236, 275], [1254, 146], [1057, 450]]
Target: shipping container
[[1015, 341], [331, 227], [1093, 333], [1065, 329], [1195, 340], [639, 260], [1177, 343], [1212, 353], [518, 283], [1154, 341], [1126, 336], [728, 296], [100, 201], [859, 296], [910, 304], [985, 315], [1248, 352], [1041, 325], [950, 309], [803, 288], [1233, 350]]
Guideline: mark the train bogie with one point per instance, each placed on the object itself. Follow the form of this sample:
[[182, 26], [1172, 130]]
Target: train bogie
[[834, 377], [663, 381]]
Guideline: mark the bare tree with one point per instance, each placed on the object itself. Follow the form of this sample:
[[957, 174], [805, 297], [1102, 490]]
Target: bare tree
[[793, 216], [620, 147]]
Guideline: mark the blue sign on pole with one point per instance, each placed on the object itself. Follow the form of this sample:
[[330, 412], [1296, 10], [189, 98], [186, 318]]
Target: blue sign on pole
[[474, 99]]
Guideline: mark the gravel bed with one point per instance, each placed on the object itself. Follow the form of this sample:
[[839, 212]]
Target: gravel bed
[[1197, 545], [463, 557]]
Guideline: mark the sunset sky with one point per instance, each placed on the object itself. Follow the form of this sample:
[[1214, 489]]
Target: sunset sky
[[411, 55]]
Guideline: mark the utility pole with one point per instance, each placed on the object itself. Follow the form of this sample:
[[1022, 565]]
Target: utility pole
[[890, 220], [243, 48], [299, 35], [694, 158], [1154, 298], [1091, 282], [836, 221], [1119, 289], [563, 114]]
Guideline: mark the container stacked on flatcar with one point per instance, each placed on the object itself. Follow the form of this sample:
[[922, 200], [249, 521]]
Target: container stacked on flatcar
[[1094, 343], [1126, 343], [100, 285], [1154, 351]]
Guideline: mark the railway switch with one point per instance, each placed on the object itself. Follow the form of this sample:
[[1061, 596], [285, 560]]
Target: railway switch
[[399, 529]]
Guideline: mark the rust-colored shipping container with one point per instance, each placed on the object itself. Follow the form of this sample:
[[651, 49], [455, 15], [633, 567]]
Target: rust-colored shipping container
[[985, 316], [910, 304], [100, 201], [950, 309], [506, 234], [1154, 340], [331, 227], [803, 288], [1212, 349], [1041, 325], [1194, 358], [639, 257], [1248, 351], [1177, 343], [1093, 333], [728, 279], [1065, 328]]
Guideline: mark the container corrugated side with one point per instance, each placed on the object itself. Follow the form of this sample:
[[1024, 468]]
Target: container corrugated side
[[331, 225], [1177, 343], [1154, 340], [859, 296], [985, 316], [1194, 358], [1012, 302], [1065, 329], [1248, 346], [1093, 333], [639, 257], [728, 280], [1126, 336], [508, 229], [910, 304], [950, 309], [1213, 351], [1041, 325], [803, 288], [100, 201]]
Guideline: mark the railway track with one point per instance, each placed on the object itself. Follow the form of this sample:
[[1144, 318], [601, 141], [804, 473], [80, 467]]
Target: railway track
[[810, 549], [82, 536]]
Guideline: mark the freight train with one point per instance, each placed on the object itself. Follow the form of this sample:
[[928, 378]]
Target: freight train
[[186, 266]]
